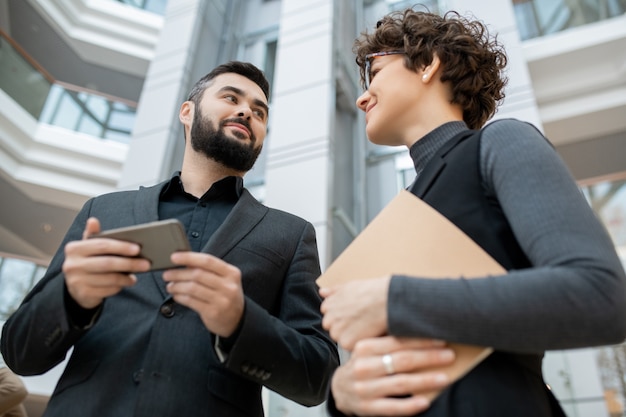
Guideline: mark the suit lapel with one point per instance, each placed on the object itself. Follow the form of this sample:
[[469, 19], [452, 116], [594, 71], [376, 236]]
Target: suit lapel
[[146, 207], [246, 214]]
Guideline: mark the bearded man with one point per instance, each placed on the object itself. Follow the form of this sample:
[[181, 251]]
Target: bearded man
[[241, 310]]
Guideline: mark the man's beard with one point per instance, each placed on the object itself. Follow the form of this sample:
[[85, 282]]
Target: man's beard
[[214, 143]]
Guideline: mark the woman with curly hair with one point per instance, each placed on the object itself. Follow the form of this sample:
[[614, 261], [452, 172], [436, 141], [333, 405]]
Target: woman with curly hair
[[431, 83]]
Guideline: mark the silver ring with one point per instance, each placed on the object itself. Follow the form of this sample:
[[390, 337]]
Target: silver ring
[[388, 364]]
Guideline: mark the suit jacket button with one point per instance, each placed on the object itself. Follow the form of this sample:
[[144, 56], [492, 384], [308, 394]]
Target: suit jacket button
[[266, 376], [167, 310], [138, 376]]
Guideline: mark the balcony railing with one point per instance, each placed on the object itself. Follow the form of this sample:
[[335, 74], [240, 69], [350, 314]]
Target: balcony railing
[[62, 104], [537, 18]]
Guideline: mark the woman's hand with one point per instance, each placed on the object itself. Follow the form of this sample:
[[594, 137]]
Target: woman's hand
[[367, 386], [355, 310]]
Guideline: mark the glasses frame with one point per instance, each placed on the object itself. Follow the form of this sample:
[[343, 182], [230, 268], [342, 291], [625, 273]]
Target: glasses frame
[[368, 64]]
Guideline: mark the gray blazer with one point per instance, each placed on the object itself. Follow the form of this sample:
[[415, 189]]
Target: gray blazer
[[148, 356]]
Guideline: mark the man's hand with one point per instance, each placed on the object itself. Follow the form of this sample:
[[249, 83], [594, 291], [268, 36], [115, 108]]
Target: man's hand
[[98, 268], [366, 386], [355, 310], [210, 287]]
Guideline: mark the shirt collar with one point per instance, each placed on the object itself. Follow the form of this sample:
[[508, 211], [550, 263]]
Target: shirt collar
[[231, 184]]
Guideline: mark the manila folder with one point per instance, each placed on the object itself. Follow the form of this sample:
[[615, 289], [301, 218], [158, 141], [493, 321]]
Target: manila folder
[[409, 237]]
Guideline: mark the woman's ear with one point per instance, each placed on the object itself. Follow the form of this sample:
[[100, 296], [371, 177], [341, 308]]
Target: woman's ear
[[430, 70]]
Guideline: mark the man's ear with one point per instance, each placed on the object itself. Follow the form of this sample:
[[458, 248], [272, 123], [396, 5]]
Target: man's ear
[[185, 115]]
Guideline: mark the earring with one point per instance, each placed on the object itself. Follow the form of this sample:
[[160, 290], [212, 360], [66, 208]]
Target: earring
[[425, 77]]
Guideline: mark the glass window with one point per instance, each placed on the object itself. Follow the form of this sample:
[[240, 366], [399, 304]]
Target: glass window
[[270, 61], [154, 6], [16, 279], [538, 18]]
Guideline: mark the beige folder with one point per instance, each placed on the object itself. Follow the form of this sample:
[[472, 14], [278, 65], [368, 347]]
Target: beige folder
[[409, 237]]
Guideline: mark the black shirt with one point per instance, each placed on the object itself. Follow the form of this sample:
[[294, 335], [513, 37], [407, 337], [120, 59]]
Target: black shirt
[[200, 216]]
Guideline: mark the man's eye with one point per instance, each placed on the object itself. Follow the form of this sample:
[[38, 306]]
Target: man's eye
[[260, 114], [231, 98]]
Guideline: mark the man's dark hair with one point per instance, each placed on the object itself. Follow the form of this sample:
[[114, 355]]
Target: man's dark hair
[[237, 67], [472, 61]]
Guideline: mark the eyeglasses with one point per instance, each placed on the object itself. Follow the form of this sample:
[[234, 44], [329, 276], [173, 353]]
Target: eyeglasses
[[368, 63]]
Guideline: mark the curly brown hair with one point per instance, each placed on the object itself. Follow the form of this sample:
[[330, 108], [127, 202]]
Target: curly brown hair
[[471, 60]]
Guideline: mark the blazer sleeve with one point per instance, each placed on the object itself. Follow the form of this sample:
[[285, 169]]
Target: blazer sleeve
[[289, 352], [39, 333]]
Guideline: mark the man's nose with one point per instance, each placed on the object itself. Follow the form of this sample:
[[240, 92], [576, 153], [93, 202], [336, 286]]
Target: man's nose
[[245, 112]]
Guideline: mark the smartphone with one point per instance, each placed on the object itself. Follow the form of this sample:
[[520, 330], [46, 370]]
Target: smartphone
[[158, 240]]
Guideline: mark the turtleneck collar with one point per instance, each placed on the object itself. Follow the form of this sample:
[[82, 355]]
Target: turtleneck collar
[[422, 151]]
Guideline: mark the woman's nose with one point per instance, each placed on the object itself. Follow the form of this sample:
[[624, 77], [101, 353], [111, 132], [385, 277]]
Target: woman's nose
[[362, 100]]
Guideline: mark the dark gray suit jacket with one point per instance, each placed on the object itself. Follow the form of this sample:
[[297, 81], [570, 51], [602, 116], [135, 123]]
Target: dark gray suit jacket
[[148, 356]]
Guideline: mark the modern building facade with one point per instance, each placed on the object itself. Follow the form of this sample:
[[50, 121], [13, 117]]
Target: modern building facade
[[90, 90]]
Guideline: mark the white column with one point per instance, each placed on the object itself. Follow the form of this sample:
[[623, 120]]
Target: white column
[[297, 173], [157, 128]]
